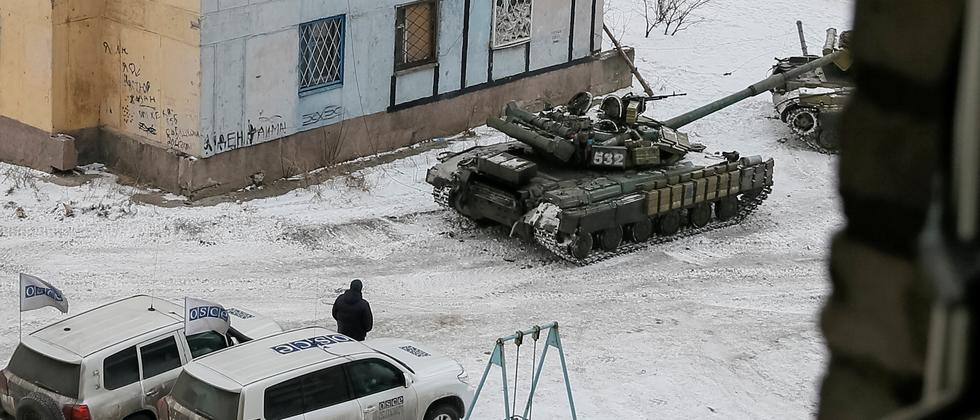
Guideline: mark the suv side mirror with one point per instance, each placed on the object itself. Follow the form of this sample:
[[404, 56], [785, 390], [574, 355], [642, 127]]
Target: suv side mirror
[[408, 379]]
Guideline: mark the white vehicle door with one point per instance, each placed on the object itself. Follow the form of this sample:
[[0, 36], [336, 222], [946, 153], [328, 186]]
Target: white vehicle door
[[381, 389], [160, 362], [319, 395], [120, 377]]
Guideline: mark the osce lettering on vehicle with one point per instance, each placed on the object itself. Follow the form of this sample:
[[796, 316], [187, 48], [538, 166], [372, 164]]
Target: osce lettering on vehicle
[[208, 312], [239, 313], [417, 352], [391, 408], [319, 341], [34, 291]]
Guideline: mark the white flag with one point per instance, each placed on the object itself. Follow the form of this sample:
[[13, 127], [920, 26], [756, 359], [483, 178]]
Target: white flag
[[201, 316], [36, 293]]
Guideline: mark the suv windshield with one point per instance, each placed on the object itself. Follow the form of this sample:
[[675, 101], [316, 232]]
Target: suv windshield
[[204, 399], [45, 372]]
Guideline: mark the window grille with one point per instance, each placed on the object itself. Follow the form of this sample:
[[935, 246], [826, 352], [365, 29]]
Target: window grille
[[322, 53], [511, 22], [415, 35]]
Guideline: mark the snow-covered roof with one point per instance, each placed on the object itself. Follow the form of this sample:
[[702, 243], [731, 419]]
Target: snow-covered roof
[[104, 326]]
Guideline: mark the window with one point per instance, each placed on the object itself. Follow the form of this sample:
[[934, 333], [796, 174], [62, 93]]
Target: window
[[212, 402], [321, 54], [284, 400], [307, 393], [206, 342], [51, 374], [325, 388], [373, 376], [415, 34], [511, 22], [161, 356], [121, 369]]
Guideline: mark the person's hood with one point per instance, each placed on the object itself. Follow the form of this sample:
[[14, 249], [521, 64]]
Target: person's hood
[[351, 296]]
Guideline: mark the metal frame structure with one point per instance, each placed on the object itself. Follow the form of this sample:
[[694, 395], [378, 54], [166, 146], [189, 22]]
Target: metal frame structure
[[498, 358]]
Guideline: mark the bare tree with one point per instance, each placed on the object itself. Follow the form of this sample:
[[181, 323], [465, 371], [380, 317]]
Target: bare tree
[[680, 17], [674, 15]]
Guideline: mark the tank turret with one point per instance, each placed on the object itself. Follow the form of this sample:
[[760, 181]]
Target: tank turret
[[617, 138], [811, 103]]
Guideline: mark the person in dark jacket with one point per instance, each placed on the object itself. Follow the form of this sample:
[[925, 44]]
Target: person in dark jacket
[[353, 313]]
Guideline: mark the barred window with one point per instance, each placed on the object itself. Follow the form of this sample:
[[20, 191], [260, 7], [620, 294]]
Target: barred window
[[511, 22], [321, 53], [415, 34]]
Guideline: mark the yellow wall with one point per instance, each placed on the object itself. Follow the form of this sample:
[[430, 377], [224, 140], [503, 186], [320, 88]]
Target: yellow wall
[[151, 66], [25, 62], [129, 65]]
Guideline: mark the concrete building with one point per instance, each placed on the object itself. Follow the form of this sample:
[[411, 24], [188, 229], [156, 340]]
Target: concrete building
[[197, 96]]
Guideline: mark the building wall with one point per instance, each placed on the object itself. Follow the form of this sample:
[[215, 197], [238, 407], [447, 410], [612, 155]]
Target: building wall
[[26, 77], [360, 136], [149, 65], [250, 61]]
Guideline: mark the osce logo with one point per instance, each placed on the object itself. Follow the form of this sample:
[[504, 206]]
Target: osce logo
[[309, 343], [201, 312], [35, 291]]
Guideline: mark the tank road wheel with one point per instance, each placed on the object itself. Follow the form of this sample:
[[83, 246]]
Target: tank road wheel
[[639, 231], [726, 208], [828, 139], [669, 223], [700, 215], [610, 238], [581, 245]]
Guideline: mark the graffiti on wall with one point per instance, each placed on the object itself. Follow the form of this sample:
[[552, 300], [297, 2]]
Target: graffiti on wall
[[262, 129], [328, 113], [267, 128], [141, 110], [178, 137]]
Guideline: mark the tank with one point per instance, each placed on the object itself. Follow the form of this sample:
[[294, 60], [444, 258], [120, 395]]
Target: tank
[[812, 104], [591, 182]]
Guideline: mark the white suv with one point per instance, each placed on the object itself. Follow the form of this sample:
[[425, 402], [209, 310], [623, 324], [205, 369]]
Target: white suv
[[313, 373], [112, 362]]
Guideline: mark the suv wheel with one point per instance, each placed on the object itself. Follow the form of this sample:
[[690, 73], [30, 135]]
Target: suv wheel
[[37, 406], [442, 412]]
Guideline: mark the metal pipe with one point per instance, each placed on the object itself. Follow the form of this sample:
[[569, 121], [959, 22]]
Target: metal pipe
[[799, 28], [561, 149], [831, 44], [966, 131], [529, 331], [626, 58]]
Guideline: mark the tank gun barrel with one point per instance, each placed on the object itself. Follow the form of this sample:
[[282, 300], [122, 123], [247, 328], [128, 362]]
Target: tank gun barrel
[[769, 83]]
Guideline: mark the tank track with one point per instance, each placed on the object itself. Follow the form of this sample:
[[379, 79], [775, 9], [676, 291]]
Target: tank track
[[811, 142], [441, 196], [546, 238], [809, 137]]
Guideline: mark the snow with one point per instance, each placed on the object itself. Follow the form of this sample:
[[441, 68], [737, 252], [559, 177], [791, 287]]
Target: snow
[[718, 326]]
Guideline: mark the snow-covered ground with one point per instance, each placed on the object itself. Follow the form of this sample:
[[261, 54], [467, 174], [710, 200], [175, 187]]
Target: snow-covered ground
[[717, 326]]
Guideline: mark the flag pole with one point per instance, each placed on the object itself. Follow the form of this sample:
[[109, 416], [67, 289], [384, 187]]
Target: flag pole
[[20, 312]]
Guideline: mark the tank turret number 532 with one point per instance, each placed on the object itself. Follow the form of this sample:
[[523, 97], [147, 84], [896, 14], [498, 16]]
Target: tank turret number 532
[[608, 157]]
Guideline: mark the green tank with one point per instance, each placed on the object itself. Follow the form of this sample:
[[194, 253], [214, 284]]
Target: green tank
[[812, 104], [590, 184]]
